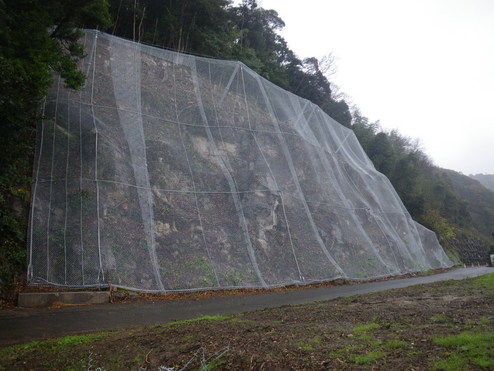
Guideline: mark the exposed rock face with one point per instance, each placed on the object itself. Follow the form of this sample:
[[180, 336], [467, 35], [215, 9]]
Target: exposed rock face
[[174, 172]]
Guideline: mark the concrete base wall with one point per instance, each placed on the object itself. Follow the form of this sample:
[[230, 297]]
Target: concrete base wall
[[45, 299]]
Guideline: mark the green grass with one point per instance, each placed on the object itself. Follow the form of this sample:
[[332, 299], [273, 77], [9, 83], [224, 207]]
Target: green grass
[[55, 345], [217, 318], [466, 351], [365, 359], [49, 347], [19, 349], [441, 319], [365, 328], [485, 282], [214, 364], [484, 321], [365, 341], [394, 344], [310, 345], [187, 338], [240, 321], [364, 333], [67, 341], [317, 340]]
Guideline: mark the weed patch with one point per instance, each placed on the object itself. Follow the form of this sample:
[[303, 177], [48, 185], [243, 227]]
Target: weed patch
[[362, 329], [485, 282], [310, 344], [466, 351], [56, 345], [50, 350], [217, 318], [365, 359], [394, 344]]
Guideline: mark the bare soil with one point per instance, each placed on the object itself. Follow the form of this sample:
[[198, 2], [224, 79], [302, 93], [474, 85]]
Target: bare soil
[[388, 330]]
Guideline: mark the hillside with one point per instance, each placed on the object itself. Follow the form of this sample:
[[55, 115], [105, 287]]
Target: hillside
[[206, 176], [214, 28], [487, 180], [480, 201]]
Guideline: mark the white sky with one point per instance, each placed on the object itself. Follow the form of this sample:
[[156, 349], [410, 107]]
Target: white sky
[[424, 67]]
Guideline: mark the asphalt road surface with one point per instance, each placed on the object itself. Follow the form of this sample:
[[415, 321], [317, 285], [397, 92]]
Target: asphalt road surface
[[21, 325]]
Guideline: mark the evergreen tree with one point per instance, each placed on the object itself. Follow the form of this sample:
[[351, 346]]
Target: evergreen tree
[[37, 38]]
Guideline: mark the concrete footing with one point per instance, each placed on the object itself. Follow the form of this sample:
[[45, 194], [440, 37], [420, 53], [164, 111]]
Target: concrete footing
[[46, 299]]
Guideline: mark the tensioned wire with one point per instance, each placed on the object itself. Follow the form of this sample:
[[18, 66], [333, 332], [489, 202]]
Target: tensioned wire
[[301, 277], [34, 193], [81, 239], [229, 178], [196, 201], [48, 265], [276, 190], [128, 93], [291, 167], [101, 273]]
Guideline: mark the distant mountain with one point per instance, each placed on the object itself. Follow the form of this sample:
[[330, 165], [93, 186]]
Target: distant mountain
[[480, 200], [487, 180]]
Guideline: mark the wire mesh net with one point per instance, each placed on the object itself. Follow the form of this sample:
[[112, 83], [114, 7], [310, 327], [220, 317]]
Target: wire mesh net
[[170, 172]]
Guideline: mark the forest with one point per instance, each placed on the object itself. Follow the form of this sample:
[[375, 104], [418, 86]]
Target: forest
[[40, 37]]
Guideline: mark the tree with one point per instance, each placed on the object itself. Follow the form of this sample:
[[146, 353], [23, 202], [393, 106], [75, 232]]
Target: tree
[[198, 26], [37, 38], [257, 43], [381, 153]]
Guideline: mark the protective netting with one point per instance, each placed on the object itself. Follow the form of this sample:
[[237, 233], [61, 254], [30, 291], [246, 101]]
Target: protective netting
[[174, 172]]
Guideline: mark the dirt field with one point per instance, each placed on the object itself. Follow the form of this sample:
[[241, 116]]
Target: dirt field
[[445, 325]]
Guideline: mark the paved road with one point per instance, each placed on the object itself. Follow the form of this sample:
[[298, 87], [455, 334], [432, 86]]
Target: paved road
[[23, 325]]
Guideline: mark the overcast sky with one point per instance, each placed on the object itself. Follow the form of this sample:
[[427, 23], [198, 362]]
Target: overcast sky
[[424, 67]]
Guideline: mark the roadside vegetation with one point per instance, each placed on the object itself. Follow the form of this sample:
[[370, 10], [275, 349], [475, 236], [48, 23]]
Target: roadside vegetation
[[445, 326]]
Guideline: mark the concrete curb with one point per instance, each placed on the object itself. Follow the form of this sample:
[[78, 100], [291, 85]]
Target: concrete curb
[[46, 299]]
